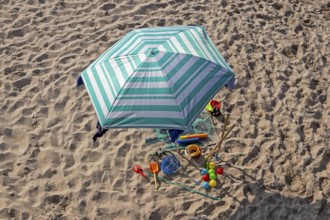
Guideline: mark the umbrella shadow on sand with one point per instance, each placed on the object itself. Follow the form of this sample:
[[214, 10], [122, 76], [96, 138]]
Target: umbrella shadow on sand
[[271, 204]]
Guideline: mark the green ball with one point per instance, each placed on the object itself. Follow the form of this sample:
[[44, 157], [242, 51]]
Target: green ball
[[213, 176], [211, 171]]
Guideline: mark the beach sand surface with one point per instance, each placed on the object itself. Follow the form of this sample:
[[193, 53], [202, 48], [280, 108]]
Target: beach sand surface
[[276, 159]]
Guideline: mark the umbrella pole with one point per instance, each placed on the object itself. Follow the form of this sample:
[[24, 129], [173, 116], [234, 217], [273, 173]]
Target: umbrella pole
[[222, 135], [225, 127], [217, 148], [231, 128]]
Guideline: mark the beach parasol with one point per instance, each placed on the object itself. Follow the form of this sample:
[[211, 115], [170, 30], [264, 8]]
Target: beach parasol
[[160, 77]]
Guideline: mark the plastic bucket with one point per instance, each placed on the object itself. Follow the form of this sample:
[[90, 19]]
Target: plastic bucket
[[193, 151]]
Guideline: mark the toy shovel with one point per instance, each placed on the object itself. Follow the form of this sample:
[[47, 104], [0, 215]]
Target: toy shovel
[[153, 167], [138, 169]]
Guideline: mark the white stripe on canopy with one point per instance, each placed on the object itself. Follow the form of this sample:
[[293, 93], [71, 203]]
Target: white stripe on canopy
[[97, 92], [103, 77], [145, 114], [158, 102]]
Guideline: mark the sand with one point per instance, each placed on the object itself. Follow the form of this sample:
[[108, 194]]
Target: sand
[[276, 160]]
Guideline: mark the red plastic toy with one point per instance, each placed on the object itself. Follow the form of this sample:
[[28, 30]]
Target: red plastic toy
[[219, 171], [138, 169], [206, 177], [214, 107]]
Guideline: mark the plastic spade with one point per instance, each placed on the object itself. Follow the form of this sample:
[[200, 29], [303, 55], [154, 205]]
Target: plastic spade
[[153, 167], [138, 169]]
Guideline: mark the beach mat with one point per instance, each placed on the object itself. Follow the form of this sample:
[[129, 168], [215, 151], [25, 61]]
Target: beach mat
[[202, 124]]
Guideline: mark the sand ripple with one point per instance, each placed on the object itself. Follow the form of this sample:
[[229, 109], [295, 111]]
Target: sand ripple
[[276, 160]]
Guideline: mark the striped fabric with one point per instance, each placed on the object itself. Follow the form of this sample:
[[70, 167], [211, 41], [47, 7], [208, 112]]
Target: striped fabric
[[156, 78]]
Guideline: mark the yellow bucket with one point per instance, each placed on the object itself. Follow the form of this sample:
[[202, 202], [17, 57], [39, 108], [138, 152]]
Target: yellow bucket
[[193, 151]]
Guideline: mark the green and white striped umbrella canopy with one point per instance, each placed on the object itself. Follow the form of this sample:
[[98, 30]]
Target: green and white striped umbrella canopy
[[156, 78]]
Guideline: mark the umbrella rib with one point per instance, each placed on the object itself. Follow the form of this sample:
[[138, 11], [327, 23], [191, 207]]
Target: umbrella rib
[[125, 55], [224, 67], [204, 38], [110, 110], [189, 27], [170, 89]]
